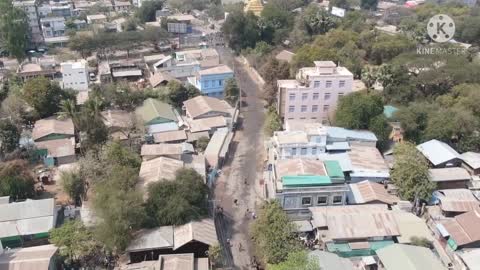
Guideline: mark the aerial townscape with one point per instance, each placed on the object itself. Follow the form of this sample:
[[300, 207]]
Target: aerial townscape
[[240, 134]]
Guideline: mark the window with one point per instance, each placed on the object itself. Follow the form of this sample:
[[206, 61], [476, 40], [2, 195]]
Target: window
[[316, 84], [328, 84], [314, 151], [341, 84], [303, 151], [291, 108], [337, 199], [304, 108], [327, 96], [324, 121], [220, 82], [322, 200], [304, 96], [325, 108], [306, 201], [207, 83], [294, 151], [292, 96], [315, 96], [340, 95], [314, 108]]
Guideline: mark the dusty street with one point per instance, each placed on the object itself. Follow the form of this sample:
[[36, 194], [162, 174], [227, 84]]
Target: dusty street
[[241, 175]]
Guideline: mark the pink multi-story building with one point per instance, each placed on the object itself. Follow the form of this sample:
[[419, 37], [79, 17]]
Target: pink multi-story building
[[314, 93]]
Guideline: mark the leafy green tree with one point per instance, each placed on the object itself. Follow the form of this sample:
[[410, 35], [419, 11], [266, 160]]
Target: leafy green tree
[[177, 202], [298, 260], [272, 122], [386, 47], [75, 242], [9, 136], [241, 30], [146, 13], [177, 93], [155, 35], [73, 185], [13, 29], [231, 92], [44, 96], [410, 173], [272, 233], [420, 241], [121, 96], [187, 5], [272, 71], [215, 254], [356, 110], [84, 44], [414, 119], [369, 4], [202, 143], [16, 180], [382, 129]]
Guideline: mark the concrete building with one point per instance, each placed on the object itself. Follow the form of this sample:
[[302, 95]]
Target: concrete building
[[55, 9], [75, 75], [52, 27], [211, 82], [314, 93], [31, 9]]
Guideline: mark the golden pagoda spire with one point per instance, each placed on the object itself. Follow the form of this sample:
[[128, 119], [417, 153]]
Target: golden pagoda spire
[[254, 6]]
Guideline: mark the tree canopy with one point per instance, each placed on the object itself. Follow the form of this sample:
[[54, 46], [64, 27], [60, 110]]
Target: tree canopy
[[16, 180], [272, 121], [231, 91], [44, 96], [13, 30], [298, 260], [179, 201], [9, 136], [272, 233]]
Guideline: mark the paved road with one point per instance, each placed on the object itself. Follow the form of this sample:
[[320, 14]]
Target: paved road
[[241, 174]]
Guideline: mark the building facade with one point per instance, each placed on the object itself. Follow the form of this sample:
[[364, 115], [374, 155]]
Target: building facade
[[314, 93], [52, 27], [31, 9], [75, 75], [211, 82]]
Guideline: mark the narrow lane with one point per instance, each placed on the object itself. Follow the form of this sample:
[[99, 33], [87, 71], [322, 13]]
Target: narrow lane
[[241, 174]]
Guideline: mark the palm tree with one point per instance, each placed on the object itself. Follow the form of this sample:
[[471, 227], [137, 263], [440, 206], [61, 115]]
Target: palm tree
[[68, 109]]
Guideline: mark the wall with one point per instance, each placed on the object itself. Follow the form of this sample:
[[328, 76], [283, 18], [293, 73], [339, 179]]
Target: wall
[[213, 85]]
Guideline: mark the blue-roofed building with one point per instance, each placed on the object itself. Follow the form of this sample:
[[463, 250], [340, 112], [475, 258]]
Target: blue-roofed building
[[211, 81], [339, 134], [440, 154], [301, 183], [389, 111]]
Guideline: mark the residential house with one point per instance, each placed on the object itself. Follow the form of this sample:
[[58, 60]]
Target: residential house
[[450, 178], [176, 68], [354, 230], [454, 201], [180, 24], [211, 81], [194, 237], [206, 57], [31, 9], [118, 122], [161, 79], [158, 169], [96, 19], [32, 70], [314, 93], [327, 260], [302, 183], [408, 257], [30, 258], [75, 75], [55, 140], [122, 6], [171, 150], [471, 162], [368, 192], [440, 154], [367, 164], [52, 27], [411, 226], [285, 55], [203, 113], [125, 70], [218, 148], [174, 136], [27, 222], [462, 230], [185, 261], [158, 116]]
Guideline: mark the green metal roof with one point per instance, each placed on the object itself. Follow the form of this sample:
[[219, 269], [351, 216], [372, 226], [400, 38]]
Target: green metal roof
[[306, 180], [389, 110], [344, 249], [153, 109], [334, 170]]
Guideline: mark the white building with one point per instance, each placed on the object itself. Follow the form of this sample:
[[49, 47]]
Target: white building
[[52, 27], [75, 75], [314, 93], [31, 9]]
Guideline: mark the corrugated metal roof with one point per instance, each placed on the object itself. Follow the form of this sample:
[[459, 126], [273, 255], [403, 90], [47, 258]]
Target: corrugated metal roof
[[52, 125], [202, 231], [437, 152], [303, 226], [456, 200], [349, 134], [472, 159], [328, 260], [153, 108], [158, 238], [298, 166], [170, 136], [161, 168], [333, 169], [407, 257], [31, 258], [449, 174], [471, 258], [201, 105], [410, 226], [305, 181], [368, 191], [464, 228], [320, 214]]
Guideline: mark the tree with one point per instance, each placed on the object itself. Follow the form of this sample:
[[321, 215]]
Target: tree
[[44, 96], [9, 136], [369, 4], [215, 255], [13, 30], [382, 129], [155, 35], [84, 44], [272, 233], [16, 180], [272, 71], [202, 143], [177, 93], [272, 122], [298, 260], [73, 185], [75, 242], [232, 92], [146, 13], [410, 173], [241, 30], [356, 110], [421, 242], [177, 202]]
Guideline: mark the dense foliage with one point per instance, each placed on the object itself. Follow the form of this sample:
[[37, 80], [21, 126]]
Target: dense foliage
[[16, 180]]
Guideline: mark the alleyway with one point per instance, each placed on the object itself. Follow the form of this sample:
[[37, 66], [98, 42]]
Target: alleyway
[[241, 175]]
